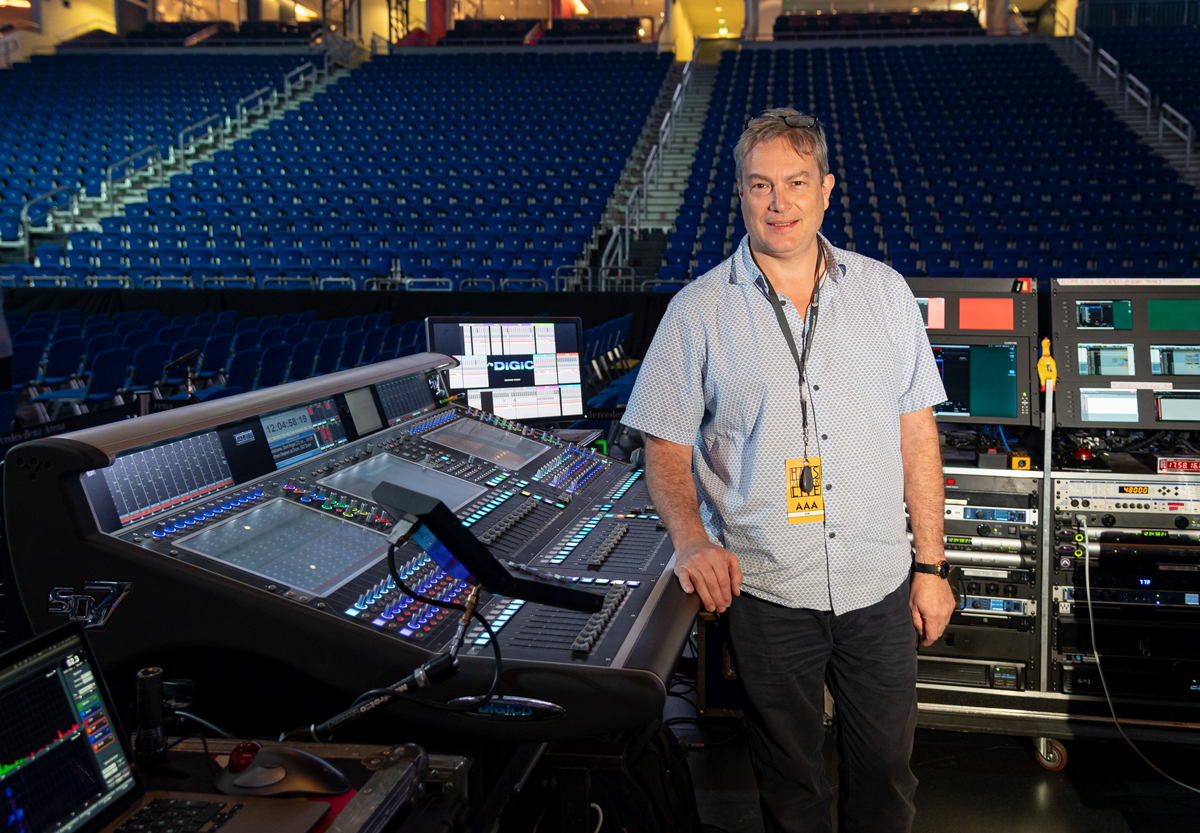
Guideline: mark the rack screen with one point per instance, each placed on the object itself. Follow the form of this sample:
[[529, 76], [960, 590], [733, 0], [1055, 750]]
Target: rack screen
[[981, 380], [1106, 359], [1178, 405], [1175, 359], [1104, 315], [1173, 314], [300, 433], [528, 369], [1108, 405]]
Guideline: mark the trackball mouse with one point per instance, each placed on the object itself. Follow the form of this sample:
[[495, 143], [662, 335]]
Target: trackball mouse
[[255, 769]]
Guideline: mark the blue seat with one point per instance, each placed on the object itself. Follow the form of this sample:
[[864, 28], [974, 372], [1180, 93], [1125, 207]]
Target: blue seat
[[273, 369], [304, 354], [102, 383]]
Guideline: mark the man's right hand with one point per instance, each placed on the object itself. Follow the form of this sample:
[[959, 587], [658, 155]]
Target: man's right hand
[[710, 571]]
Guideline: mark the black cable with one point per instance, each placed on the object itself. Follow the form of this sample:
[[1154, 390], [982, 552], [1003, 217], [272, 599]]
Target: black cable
[[685, 699], [212, 727], [1112, 709], [495, 643], [676, 721]]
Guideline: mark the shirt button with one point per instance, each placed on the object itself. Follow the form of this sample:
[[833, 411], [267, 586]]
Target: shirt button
[[828, 486], [833, 535], [824, 436], [816, 387]]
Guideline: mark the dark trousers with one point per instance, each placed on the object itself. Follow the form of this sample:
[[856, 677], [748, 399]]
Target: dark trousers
[[784, 657]]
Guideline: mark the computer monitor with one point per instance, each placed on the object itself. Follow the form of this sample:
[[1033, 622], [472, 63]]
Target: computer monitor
[[525, 368], [987, 380]]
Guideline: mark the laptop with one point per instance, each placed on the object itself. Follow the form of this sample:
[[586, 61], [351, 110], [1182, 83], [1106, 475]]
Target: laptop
[[65, 766]]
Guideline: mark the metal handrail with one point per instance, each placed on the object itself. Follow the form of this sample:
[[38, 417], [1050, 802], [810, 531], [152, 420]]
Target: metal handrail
[[151, 150], [263, 95], [1140, 93], [1084, 43], [664, 129], [183, 146], [1106, 64], [299, 82], [26, 225], [650, 170], [1177, 123], [611, 252]]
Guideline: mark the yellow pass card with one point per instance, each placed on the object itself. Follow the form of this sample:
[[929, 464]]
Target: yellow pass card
[[805, 501]]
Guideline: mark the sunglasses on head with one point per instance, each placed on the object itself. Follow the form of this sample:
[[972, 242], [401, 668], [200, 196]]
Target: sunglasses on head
[[801, 121]]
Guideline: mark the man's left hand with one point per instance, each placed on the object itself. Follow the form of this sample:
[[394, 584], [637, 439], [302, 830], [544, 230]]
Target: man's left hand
[[931, 602]]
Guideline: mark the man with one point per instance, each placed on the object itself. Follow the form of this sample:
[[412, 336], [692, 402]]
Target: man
[[798, 382]]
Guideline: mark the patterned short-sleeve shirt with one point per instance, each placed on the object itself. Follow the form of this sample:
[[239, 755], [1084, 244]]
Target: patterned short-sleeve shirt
[[719, 376]]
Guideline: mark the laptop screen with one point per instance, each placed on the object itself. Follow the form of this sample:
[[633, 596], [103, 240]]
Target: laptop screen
[[62, 762]]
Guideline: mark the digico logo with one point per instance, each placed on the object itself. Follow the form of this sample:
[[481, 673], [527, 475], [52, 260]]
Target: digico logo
[[525, 365]]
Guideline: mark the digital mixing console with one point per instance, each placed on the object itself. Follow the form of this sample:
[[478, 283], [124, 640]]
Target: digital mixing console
[[241, 537]]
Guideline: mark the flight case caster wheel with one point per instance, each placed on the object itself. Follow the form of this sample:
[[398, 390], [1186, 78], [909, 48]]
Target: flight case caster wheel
[[1051, 754]]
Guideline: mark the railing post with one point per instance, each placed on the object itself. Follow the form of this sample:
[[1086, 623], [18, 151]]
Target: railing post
[[27, 223]]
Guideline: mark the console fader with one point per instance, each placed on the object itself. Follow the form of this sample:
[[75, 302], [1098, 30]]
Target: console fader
[[244, 530]]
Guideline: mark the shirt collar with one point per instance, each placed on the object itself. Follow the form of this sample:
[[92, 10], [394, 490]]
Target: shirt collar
[[743, 269]]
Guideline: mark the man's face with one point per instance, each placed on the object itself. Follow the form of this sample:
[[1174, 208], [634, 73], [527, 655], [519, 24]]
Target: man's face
[[784, 198]]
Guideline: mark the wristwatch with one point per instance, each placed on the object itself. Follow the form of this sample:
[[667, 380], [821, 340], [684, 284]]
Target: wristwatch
[[941, 569]]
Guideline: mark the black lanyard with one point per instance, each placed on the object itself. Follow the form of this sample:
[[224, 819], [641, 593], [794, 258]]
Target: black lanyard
[[801, 355]]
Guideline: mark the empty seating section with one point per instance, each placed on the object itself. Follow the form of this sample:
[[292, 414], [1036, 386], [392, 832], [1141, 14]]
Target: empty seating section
[[1165, 58], [163, 33], [478, 32], [970, 160], [593, 30], [875, 24], [63, 359], [69, 117], [448, 170]]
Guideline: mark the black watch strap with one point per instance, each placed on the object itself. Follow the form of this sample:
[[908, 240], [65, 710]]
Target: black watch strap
[[941, 569]]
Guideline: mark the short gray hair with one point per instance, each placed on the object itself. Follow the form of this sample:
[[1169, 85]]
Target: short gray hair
[[802, 130]]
